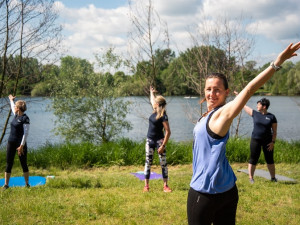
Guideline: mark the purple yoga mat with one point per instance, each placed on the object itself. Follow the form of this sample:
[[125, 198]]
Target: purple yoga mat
[[141, 175]]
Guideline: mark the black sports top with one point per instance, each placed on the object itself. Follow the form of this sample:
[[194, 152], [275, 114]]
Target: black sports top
[[17, 128], [262, 125], [155, 130]]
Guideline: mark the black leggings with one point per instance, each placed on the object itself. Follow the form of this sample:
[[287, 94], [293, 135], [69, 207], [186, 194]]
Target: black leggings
[[10, 156], [255, 150], [205, 209]]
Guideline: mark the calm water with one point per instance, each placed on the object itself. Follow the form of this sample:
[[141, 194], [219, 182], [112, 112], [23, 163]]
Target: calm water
[[181, 111]]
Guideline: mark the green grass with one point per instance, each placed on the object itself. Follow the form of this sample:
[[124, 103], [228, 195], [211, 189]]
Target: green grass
[[111, 195], [125, 152]]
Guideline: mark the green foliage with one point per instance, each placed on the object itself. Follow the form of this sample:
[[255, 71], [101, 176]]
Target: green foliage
[[237, 150], [293, 80], [284, 82], [48, 83], [86, 105], [182, 75], [125, 152], [31, 75], [286, 152]]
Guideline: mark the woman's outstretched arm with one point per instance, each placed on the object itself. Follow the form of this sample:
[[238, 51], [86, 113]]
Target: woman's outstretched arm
[[222, 119], [152, 96]]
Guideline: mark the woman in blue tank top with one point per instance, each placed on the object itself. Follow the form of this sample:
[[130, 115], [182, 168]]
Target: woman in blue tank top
[[213, 195]]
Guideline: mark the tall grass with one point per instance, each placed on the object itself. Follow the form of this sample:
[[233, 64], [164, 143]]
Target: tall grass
[[126, 152]]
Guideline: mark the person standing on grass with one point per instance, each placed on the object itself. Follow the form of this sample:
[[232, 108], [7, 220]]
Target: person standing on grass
[[17, 140], [156, 139], [263, 136], [213, 195]]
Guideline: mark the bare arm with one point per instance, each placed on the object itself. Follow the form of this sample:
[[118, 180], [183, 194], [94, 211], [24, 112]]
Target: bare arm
[[167, 136], [12, 104], [222, 119], [152, 96], [274, 130], [248, 110]]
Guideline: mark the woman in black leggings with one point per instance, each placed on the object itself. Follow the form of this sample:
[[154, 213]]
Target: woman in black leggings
[[17, 140], [263, 137]]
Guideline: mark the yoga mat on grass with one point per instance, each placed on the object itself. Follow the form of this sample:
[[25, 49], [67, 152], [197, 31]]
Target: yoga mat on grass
[[266, 174], [20, 182], [141, 175]]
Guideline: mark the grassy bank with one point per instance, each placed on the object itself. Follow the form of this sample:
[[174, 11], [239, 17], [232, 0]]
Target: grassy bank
[[111, 195], [126, 152]]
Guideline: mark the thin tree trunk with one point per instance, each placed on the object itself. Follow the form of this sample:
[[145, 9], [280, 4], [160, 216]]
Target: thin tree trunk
[[18, 73], [4, 60]]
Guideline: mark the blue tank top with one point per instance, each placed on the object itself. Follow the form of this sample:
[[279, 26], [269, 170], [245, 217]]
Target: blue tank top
[[212, 173]]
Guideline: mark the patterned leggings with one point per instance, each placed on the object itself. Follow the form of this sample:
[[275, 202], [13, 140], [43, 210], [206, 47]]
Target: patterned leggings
[[151, 145]]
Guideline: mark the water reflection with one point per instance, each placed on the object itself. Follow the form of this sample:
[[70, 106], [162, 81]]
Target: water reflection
[[182, 113]]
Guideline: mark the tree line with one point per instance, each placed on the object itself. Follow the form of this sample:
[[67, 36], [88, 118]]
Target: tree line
[[171, 79]]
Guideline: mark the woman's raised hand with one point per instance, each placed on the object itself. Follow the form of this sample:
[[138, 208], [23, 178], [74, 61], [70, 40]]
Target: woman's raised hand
[[152, 89], [11, 97], [287, 53]]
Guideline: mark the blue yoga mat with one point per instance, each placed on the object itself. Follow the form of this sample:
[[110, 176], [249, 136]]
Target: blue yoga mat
[[141, 175], [20, 182]]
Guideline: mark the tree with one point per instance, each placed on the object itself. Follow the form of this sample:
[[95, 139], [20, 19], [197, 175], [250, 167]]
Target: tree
[[85, 103], [293, 80], [224, 34], [27, 30], [149, 34], [45, 85]]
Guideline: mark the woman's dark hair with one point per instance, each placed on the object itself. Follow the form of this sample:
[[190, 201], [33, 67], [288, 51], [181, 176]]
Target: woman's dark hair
[[220, 76], [264, 102]]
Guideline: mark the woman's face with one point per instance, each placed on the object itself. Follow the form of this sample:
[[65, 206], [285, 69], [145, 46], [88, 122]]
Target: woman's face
[[215, 92], [17, 110], [260, 107], [156, 105]]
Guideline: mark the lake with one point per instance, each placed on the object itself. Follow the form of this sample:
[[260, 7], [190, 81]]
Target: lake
[[181, 111]]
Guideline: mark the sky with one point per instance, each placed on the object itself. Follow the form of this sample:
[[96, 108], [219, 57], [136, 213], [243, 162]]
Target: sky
[[89, 26]]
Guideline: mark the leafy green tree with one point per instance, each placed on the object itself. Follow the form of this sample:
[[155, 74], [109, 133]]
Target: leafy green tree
[[49, 74], [293, 80], [85, 103]]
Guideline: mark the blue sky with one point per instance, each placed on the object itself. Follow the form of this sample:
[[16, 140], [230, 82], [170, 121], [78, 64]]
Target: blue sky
[[91, 26]]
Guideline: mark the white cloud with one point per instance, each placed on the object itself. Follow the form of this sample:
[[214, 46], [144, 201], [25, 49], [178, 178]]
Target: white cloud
[[177, 8], [89, 29], [276, 19]]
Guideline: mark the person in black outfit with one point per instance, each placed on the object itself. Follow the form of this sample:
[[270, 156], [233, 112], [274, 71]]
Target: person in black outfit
[[263, 136], [156, 139], [17, 140]]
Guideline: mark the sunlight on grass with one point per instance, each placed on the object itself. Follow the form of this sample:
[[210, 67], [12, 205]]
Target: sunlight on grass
[[111, 195]]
